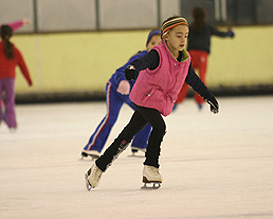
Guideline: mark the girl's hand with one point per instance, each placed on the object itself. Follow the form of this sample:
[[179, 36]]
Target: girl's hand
[[231, 33], [214, 106], [131, 73], [124, 87], [26, 21]]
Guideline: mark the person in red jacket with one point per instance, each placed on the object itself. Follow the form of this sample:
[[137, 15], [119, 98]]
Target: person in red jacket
[[16, 25], [10, 57]]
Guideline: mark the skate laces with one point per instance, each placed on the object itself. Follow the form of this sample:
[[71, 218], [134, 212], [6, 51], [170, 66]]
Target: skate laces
[[96, 173], [153, 170]]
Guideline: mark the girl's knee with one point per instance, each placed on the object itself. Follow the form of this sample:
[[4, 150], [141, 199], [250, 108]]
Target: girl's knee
[[161, 129]]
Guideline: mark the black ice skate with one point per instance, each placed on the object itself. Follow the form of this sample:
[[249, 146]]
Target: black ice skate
[[152, 179], [92, 177], [135, 153], [93, 154]]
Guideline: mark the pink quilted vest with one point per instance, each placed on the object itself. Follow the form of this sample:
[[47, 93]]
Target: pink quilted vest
[[159, 88]]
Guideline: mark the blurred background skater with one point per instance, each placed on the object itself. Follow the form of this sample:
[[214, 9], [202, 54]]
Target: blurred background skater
[[10, 57], [117, 93], [14, 26], [199, 49]]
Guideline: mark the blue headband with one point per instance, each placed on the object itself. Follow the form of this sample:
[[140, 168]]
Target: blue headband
[[151, 34]]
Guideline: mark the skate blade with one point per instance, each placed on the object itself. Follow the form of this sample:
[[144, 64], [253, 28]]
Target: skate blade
[[136, 155], [153, 186], [88, 186], [150, 184], [88, 158], [82, 158], [93, 157]]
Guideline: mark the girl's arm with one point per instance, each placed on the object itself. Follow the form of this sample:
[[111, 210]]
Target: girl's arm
[[119, 75], [197, 84], [222, 34], [16, 25], [23, 67], [151, 61]]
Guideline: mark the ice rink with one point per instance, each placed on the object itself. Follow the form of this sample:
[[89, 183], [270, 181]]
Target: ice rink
[[213, 166]]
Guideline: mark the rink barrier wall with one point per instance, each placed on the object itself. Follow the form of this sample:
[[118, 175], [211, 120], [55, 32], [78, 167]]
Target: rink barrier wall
[[260, 90], [81, 63]]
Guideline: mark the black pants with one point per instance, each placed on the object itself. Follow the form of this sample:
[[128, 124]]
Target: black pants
[[138, 121]]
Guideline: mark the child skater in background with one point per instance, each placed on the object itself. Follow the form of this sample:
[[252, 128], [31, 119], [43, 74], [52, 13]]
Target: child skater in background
[[14, 26], [163, 71], [199, 49], [10, 57], [117, 93]]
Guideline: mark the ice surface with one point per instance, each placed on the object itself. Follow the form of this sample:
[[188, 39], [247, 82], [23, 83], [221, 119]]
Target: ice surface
[[213, 166]]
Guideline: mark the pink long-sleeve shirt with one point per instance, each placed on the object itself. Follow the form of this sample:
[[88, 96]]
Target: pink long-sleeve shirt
[[16, 25]]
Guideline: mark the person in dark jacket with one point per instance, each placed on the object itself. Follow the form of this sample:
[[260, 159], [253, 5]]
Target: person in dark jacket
[[199, 48]]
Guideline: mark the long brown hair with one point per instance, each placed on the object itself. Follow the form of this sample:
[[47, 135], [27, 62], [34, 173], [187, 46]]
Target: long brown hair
[[199, 16], [6, 33]]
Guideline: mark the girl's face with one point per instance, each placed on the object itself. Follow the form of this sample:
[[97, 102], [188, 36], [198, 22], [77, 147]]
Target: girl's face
[[177, 39], [154, 41]]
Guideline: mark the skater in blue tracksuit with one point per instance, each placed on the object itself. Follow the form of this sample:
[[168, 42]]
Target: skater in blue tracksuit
[[117, 93]]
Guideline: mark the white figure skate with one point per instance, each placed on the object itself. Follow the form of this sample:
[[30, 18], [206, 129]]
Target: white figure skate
[[151, 176], [92, 177]]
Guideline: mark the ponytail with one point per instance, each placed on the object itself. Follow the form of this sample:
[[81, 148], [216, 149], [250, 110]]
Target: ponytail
[[6, 33], [199, 22]]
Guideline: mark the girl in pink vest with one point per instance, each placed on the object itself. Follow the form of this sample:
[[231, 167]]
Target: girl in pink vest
[[163, 72]]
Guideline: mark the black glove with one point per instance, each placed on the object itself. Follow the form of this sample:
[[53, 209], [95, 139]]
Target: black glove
[[131, 73], [214, 106], [231, 33]]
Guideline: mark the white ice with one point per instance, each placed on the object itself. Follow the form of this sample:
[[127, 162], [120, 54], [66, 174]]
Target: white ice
[[213, 166]]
